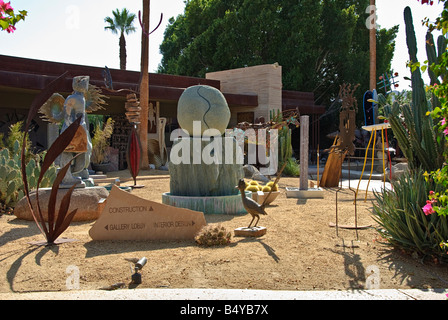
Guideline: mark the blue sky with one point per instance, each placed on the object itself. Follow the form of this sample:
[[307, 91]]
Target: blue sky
[[73, 31]]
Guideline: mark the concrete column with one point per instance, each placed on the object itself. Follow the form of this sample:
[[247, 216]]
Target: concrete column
[[304, 143]]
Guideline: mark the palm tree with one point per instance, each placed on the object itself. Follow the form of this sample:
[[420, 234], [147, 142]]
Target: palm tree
[[122, 23]]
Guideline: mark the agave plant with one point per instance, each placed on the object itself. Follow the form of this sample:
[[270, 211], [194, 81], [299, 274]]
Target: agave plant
[[56, 226], [402, 221]]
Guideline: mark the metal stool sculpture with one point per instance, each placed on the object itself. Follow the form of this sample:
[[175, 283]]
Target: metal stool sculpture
[[356, 210]]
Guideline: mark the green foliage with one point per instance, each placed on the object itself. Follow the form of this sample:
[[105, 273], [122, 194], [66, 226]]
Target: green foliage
[[100, 142], [319, 44], [401, 218], [292, 168], [9, 18], [285, 146], [423, 148], [11, 184], [422, 145], [121, 23], [16, 133], [439, 200]]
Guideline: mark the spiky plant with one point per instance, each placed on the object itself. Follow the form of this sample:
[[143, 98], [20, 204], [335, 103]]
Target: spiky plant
[[414, 129], [100, 141], [213, 235], [401, 220]]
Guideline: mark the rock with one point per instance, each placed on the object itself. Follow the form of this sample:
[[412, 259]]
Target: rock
[[86, 200], [258, 176], [397, 170], [251, 172], [204, 104]]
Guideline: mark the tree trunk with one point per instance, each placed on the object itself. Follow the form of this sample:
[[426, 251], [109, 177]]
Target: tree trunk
[[144, 86], [122, 52]]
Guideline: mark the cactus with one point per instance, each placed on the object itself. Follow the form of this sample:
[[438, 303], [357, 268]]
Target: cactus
[[285, 147], [11, 184], [434, 56], [213, 235], [421, 144]]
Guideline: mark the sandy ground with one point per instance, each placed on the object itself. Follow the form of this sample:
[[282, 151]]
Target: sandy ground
[[300, 251]]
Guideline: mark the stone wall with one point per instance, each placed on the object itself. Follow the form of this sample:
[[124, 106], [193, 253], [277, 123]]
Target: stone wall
[[264, 80]]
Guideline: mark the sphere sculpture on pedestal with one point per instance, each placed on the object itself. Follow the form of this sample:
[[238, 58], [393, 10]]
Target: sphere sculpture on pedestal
[[204, 185], [204, 104]]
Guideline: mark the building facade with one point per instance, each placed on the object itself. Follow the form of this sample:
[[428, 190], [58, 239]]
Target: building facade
[[251, 93]]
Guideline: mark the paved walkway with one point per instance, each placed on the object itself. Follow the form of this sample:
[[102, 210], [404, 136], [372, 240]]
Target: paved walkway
[[231, 294]]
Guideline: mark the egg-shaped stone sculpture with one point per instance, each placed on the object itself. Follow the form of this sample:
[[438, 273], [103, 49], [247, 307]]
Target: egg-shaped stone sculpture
[[201, 108]]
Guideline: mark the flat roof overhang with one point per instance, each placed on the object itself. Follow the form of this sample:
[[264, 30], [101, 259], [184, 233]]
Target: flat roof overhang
[[34, 75], [303, 101]]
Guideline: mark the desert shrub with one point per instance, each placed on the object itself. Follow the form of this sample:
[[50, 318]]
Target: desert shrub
[[402, 221], [292, 168], [11, 184], [213, 235]]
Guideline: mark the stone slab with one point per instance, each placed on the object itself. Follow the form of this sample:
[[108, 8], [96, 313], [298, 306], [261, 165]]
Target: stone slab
[[129, 217], [310, 193], [250, 232], [86, 200]]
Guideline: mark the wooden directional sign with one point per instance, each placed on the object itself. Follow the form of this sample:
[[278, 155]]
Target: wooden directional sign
[[128, 217]]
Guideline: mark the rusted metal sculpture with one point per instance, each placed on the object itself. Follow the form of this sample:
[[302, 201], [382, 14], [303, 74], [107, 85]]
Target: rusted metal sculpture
[[57, 223], [134, 151], [343, 144]]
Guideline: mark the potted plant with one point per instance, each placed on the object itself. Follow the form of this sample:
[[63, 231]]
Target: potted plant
[[100, 158]]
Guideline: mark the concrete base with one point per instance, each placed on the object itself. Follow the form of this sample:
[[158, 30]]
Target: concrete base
[[232, 204], [250, 232], [310, 193]]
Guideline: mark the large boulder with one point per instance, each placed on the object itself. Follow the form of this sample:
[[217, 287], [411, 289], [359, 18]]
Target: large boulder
[[88, 201]]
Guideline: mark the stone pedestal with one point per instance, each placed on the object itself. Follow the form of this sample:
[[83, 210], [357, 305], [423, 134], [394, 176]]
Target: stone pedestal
[[250, 232], [88, 201], [231, 205], [205, 168]]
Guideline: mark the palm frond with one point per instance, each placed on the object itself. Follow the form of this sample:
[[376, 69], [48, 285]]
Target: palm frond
[[122, 22]]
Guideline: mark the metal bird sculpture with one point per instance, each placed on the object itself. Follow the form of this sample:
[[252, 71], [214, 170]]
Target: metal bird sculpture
[[253, 207], [250, 205]]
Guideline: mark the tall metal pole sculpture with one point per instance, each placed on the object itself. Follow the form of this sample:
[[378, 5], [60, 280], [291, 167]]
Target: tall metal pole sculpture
[[144, 84], [144, 80], [372, 29]]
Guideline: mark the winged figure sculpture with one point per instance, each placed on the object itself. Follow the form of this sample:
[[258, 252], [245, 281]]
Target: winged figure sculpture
[[85, 98]]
